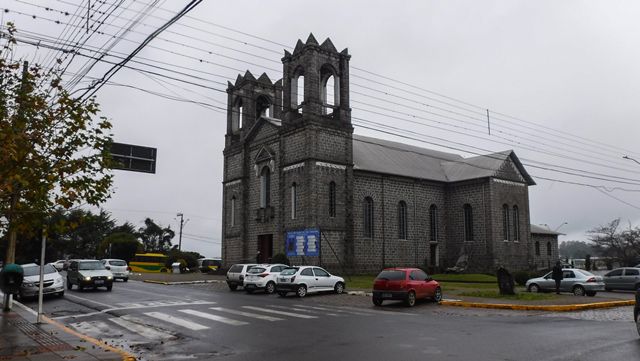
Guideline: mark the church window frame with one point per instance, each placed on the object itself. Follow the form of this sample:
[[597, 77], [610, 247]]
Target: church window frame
[[232, 221], [294, 200], [516, 224], [368, 217], [549, 252], [468, 222], [332, 199], [433, 223], [403, 228], [265, 187], [505, 223]]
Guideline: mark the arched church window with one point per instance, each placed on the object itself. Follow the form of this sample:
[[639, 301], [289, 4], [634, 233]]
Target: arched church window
[[402, 220], [263, 107], [237, 116], [368, 217], [265, 187], [329, 89], [505, 222], [516, 223], [468, 222], [433, 223], [332, 199]]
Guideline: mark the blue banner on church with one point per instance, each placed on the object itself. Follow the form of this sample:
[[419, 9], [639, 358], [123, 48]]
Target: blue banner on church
[[303, 243]]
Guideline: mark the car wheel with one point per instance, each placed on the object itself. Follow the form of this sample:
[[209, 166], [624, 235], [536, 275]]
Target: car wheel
[[578, 290], [534, 288], [339, 287], [437, 296], [301, 291], [69, 284], [109, 287], [125, 279], [282, 294], [80, 287], [591, 293], [233, 287], [270, 288], [377, 301], [411, 299]]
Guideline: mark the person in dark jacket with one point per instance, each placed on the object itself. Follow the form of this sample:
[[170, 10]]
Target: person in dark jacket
[[556, 274]]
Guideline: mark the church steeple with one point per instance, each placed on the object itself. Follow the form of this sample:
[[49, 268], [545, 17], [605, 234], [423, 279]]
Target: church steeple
[[316, 83]]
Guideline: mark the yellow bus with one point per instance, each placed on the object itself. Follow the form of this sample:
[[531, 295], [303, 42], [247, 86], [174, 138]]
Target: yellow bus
[[149, 262]]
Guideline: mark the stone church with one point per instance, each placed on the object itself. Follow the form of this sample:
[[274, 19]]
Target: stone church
[[293, 168]]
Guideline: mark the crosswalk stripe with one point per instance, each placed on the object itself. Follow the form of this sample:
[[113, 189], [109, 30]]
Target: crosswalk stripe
[[261, 309], [246, 314], [137, 326], [214, 317], [177, 321], [303, 310], [91, 328], [335, 310]]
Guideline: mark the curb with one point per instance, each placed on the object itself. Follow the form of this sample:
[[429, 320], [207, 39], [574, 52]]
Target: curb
[[126, 356], [554, 308], [181, 282]]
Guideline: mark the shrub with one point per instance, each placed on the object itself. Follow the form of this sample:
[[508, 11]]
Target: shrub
[[280, 258]]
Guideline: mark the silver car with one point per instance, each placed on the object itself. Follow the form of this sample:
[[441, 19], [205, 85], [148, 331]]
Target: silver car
[[577, 281], [53, 283], [627, 278]]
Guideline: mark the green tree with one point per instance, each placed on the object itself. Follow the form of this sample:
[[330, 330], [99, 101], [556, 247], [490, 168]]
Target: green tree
[[575, 249], [121, 245], [53, 147], [155, 238]]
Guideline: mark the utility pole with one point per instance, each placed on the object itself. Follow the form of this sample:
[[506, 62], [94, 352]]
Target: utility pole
[[180, 237]]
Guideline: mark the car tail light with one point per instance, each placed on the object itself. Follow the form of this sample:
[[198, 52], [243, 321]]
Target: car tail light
[[263, 275], [592, 279]]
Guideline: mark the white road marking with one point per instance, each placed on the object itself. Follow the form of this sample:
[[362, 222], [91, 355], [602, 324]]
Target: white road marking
[[247, 314], [303, 310], [262, 309], [177, 321], [335, 310], [214, 317], [136, 306], [92, 328], [88, 300], [135, 325]]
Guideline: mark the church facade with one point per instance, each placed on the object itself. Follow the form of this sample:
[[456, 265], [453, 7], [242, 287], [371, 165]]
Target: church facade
[[293, 166]]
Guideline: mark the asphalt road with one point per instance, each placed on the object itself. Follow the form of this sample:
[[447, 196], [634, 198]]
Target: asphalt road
[[208, 322]]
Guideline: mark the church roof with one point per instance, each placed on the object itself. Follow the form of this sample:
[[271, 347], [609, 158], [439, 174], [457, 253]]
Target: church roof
[[382, 156], [542, 230]]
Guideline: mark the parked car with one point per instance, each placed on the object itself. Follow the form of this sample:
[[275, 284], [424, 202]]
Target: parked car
[[405, 284], [59, 264], [307, 279], [577, 281], [235, 275], [636, 311], [626, 278], [207, 265], [53, 283], [119, 268], [88, 273], [263, 277]]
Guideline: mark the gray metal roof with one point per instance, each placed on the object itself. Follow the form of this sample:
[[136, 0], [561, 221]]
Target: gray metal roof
[[542, 230], [382, 156]]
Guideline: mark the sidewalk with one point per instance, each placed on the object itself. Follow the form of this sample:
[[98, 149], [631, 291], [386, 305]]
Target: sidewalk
[[24, 340]]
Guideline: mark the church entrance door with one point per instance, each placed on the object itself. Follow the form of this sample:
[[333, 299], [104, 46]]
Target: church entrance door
[[265, 247]]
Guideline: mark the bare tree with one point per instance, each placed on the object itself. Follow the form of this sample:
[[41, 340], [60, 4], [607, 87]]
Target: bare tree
[[622, 245]]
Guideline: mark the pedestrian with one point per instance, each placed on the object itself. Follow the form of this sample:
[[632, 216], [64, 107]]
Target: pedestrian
[[556, 274]]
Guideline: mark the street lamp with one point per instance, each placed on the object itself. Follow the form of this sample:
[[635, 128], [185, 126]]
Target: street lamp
[[629, 158]]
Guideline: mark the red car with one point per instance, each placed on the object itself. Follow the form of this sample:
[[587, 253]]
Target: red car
[[405, 284]]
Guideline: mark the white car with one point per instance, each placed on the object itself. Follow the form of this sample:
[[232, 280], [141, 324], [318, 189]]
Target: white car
[[263, 277], [59, 264], [118, 267], [52, 281], [307, 279], [235, 275]]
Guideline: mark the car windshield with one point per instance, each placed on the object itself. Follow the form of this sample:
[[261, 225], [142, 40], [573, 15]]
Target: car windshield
[[88, 266], [118, 263], [289, 271], [35, 270], [236, 268], [256, 270], [391, 275]]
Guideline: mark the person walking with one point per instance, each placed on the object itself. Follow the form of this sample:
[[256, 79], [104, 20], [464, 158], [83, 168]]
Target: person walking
[[556, 274]]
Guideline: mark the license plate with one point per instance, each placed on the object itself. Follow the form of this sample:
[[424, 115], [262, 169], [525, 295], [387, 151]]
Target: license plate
[[283, 280], [387, 295], [98, 282]]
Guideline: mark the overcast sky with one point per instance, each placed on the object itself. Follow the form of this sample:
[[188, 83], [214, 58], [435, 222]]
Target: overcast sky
[[565, 72]]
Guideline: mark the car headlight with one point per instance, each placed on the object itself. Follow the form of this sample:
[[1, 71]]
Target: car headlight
[[58, 281], [28, 284], [109, 277], [87, 278]]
